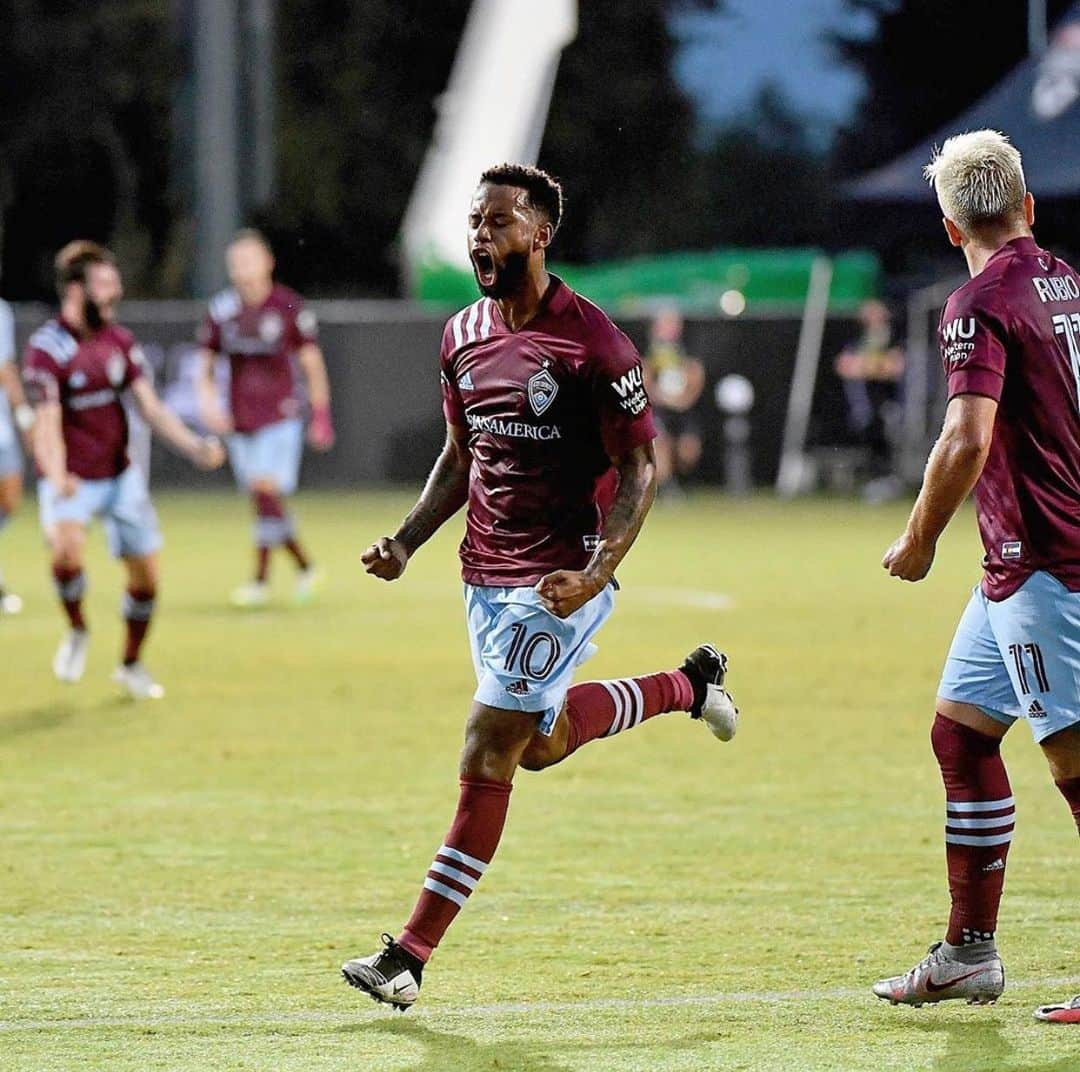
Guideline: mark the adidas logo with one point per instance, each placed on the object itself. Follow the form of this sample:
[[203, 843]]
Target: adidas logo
[[997, 865], [1036, 710], [465, 383], [518, 688]]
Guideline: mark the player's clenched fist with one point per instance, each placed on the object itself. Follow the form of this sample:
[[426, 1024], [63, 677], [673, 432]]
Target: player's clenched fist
[[908, 559], [386, 558], [566, 591]]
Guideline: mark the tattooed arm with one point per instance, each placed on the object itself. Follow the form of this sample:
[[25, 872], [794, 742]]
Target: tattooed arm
[[444, 494], [564, 591]]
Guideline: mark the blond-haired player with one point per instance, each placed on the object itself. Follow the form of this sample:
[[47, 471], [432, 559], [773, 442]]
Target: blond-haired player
[[1010, 345]]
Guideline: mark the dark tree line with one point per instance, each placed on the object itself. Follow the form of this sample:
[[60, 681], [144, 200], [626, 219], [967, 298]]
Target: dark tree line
[[96, 101]]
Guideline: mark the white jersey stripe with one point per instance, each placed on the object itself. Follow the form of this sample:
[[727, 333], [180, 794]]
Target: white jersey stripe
[[445, 891], [459, 319], [462, 858], [470, 324], [485, 323], [457, 876], [620, 708], [979, 805]]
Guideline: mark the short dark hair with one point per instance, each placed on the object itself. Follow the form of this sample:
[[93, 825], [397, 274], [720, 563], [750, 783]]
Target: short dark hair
[[75, 258], [252, 234], [544, 190]]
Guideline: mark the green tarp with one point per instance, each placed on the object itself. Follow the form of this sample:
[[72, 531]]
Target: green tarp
[[719, 281]]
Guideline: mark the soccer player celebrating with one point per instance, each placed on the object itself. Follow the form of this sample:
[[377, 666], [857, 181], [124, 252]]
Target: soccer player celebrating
[[549, 443], [1010, 344], [259, 325], [76, 368], [16, 417]]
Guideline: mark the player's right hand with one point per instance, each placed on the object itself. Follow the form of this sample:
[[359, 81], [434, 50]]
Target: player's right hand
[[67, 486], [218, 423], [210, 453], [386, 559]]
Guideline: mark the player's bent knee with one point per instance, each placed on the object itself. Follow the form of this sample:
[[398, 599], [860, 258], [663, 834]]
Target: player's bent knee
[[1062, 751]]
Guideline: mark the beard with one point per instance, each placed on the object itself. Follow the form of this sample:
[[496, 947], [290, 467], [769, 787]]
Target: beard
[[92, 314], [508, 278]]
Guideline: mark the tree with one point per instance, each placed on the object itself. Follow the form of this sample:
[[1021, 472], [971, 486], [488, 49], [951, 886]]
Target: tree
[[86, 134], [621, 133], [924, 62]]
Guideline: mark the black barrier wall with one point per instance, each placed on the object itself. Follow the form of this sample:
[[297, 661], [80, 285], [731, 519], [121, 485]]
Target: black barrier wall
[[382, 359]]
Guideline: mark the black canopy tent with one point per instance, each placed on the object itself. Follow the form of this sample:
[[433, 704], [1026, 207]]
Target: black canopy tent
[[1037, 105]]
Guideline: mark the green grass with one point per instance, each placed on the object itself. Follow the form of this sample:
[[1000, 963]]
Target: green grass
[[179, 882]]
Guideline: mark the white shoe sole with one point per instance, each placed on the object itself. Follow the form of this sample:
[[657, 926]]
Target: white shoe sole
[[719, 713]]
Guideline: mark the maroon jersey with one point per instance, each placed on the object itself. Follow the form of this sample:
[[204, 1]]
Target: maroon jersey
[[1013, 334], [547, 408], [260, 342], [86, 376]]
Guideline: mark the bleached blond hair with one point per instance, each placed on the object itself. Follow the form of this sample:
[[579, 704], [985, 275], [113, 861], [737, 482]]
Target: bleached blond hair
[[978, 179]]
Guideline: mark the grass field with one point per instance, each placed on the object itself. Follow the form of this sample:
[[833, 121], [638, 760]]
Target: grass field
[[179, 882]]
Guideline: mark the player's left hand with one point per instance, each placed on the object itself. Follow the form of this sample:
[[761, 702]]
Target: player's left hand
[[566, 591], [908, 559]]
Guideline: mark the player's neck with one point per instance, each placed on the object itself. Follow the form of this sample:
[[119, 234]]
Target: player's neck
[[73, 318], [977, 251], [519, 308], [255, 294]]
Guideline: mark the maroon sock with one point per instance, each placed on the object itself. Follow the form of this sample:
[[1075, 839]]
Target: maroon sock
[[604, 708], [1070, 790], [297, 552], [262, 563], [138, 609], [459, 863], [978, 827], [71, 587]]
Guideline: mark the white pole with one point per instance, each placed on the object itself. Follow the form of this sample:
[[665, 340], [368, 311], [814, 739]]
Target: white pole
[[791, 478]]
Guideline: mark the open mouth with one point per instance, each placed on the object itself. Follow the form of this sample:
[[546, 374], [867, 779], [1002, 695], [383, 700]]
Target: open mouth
[[484, 264]]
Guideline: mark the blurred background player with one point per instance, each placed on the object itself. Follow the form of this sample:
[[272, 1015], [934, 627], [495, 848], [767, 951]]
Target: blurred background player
[[16, 419], [549, 443], [870, 370], [1010, 344], [76, 368], [260, 326], [675, 381]]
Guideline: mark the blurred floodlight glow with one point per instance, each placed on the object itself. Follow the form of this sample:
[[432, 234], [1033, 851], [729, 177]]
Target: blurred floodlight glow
[[733, 302]]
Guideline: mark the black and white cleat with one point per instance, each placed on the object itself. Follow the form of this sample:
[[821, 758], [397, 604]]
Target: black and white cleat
[[391, 976], [707, 668]]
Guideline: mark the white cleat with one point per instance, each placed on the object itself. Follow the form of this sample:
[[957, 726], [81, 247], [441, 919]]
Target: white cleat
[[10, 603], [137, 682], [309, 583], [252, 594], [707, 666], [391, 976], [937, 977], [69, 662]]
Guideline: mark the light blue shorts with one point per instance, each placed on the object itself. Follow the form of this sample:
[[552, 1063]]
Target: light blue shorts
[[271, 453], [1019, 658], [11, 460], [524, 656], [122, 502]]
